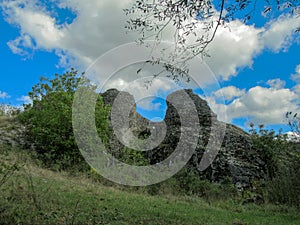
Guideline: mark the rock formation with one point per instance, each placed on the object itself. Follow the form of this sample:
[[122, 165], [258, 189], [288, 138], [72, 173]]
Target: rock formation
[[10, 131], [236, 159]]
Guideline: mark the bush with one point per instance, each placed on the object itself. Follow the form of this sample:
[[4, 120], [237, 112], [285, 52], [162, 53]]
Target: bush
[[284, 188], [188, 183], [48, 121], [270, 146], [282, 167]]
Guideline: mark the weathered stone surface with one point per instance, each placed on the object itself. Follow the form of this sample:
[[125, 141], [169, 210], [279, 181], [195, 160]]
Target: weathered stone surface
[[236, 159], [11, 131]]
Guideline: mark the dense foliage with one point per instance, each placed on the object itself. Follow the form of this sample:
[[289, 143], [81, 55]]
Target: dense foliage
[[48, 120], [270, 146], [282, 160]]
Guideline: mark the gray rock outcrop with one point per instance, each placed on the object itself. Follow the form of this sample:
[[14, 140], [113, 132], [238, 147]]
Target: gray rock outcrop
[[10, 131], [236, 159]]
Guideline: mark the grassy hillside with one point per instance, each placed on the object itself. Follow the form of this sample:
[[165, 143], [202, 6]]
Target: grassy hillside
[[32, 195]]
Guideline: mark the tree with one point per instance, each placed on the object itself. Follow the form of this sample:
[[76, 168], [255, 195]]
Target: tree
[[293, 120], [194, 23], [48, 120], [271, 147], [282, 165]]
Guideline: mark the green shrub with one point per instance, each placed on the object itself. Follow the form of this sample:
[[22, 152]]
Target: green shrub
[[270, 146], [48, 121], [187, 182], [282, 167], [284, 188]]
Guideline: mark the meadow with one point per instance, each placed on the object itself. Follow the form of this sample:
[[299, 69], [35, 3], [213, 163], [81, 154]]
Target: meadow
[[31, 194]]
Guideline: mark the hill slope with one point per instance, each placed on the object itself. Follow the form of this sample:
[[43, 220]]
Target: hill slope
[[34, 195]]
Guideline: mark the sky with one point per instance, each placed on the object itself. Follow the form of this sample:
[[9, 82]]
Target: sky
[[256, 65]]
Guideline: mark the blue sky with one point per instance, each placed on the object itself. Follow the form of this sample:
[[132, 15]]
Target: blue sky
[[257, 65]]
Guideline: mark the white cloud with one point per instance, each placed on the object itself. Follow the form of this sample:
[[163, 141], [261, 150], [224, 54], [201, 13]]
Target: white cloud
[[25, 99], [276, 83], [279, 34], [148, 104], [21, 45], [296, 77], [229, 93], [3, 95], [35, 23], [99, 27], [297, 89], [143, 92], [233, 48], [261, 105]]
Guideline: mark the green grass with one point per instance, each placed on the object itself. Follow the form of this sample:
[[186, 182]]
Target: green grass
[[33, 195]]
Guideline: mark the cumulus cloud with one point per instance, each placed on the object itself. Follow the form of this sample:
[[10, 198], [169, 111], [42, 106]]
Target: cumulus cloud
[[233, 48], [98, 27], [145, 90], [297, 89], [262, 105], [25, 99], [296, 77], [229, 93], [3, 95], [35, 23], [236, 47], [279, 34], [276, 83]]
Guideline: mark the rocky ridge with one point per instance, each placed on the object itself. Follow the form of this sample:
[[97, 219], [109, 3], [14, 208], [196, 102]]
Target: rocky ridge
[[237, 159]]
